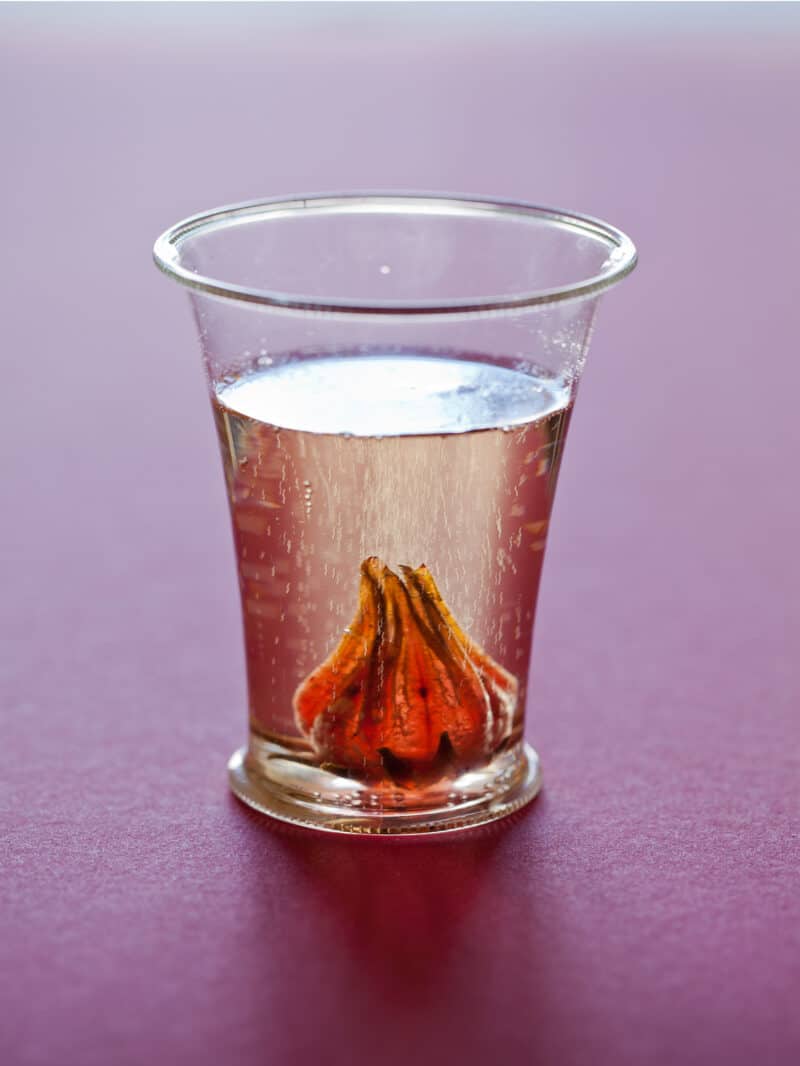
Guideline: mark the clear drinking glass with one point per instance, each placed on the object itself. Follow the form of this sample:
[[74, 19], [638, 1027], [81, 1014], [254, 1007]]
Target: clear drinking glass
[[392, 378]]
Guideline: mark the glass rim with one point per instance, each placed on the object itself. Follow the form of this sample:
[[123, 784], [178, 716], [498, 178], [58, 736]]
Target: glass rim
[[166, 251]]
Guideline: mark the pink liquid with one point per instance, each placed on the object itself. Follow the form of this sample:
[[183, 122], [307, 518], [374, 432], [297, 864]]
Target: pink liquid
[[447, 462]]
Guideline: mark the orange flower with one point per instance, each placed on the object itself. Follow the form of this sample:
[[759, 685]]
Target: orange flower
[[406, 693]]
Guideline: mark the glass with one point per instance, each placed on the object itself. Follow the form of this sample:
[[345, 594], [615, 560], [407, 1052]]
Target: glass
[[392, 378]]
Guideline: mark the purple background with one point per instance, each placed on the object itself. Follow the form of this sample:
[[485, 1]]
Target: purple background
[[645, 909]]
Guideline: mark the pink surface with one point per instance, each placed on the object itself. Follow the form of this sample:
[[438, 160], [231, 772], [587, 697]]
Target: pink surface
[[645, 909]]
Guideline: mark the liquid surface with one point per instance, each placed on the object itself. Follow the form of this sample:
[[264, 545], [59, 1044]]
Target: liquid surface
[[384, 395], [417, 460]]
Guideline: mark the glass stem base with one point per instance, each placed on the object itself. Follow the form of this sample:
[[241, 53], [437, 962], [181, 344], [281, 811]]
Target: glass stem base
[[277, 781]]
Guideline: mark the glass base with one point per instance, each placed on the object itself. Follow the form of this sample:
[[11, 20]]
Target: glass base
[[284, 783]]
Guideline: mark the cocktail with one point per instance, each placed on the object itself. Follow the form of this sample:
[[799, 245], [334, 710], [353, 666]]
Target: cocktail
[[392, 378]]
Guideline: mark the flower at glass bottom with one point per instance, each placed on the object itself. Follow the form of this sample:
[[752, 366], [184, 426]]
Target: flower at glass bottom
[[406, 693]]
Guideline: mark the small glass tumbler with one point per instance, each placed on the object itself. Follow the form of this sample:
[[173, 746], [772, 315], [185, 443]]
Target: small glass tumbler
[[392, 378]]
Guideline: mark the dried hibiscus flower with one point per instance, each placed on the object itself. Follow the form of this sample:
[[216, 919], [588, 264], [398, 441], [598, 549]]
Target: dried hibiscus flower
[[406, 693]]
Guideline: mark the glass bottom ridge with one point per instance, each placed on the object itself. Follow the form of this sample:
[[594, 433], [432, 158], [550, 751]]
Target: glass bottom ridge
[[285, 783]]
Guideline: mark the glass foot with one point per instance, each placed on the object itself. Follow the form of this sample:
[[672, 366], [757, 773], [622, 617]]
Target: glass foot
[[285, 784]]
